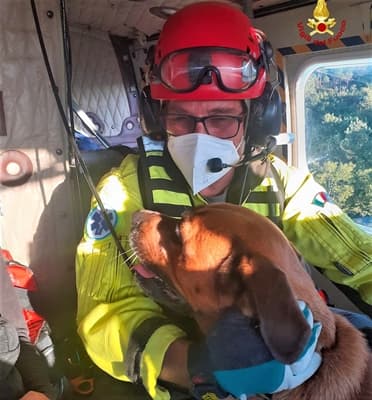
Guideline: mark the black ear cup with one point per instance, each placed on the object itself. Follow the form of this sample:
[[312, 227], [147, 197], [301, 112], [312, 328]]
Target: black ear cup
[[150, 112], [265, 116], [267, 54]]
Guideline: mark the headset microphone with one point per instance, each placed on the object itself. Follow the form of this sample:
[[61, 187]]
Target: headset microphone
[[216, 165]]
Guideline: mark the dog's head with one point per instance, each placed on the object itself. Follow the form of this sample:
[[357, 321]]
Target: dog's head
[[221, 255]]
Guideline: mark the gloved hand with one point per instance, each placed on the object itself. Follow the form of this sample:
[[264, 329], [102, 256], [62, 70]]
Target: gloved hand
[[234, 359]]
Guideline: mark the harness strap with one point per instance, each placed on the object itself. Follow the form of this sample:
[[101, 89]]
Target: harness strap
[[268, 198], [280, 192], [163, 187]]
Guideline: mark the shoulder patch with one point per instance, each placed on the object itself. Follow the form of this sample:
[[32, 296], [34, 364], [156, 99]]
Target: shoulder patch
[[96, 226]]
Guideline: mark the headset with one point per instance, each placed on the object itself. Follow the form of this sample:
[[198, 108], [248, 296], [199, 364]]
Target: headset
[[265, 116], [265, 113]]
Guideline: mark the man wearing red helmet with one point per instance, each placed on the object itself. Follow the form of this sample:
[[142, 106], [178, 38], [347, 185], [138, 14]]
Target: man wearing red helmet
[[219, 113]]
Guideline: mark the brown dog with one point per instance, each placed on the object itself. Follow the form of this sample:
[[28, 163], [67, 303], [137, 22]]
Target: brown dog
[[221, 255]]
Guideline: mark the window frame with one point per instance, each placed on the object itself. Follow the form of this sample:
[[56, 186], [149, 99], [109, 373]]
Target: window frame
[[298, 68]]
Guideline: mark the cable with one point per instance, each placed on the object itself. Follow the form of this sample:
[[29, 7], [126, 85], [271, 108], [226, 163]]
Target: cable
[[69, 131]]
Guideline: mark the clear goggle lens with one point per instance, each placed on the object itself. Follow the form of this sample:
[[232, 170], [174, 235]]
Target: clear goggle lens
[[185, 70]]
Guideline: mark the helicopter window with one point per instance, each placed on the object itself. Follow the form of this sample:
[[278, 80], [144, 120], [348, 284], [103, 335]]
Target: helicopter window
[[337, 100]]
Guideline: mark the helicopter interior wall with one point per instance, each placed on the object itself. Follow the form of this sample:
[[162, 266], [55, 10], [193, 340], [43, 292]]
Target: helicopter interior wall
[[37, 230], [97, 85]]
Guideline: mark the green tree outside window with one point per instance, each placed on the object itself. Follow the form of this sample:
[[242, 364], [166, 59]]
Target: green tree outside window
[[338, 114]]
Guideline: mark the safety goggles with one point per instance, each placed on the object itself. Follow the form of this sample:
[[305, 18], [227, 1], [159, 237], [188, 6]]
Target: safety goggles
[[185, 70]]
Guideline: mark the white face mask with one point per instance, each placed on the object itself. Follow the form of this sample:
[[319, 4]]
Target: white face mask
[[191, 153]]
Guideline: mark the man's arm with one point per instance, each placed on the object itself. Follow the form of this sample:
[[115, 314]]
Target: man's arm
[[324, 235], [124, 332], [174, 368]]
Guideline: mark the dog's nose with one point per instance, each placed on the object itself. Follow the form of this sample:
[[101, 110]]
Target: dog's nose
[[137, 218], [140, 216]]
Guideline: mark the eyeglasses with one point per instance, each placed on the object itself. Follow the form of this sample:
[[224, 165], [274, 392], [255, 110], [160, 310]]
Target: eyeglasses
[[185, 70], [221, 126]]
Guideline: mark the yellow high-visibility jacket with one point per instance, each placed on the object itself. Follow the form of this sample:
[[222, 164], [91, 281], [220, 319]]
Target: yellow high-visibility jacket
[[126, 333]]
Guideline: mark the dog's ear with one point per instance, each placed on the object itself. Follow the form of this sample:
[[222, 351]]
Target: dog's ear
[[282, 324]]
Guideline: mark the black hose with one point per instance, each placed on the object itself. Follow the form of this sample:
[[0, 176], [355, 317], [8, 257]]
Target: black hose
[[65, 122]]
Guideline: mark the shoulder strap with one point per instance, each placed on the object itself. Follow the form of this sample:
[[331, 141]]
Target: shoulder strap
[[163, 187], [259, 187], [246, 178], [281, 192]]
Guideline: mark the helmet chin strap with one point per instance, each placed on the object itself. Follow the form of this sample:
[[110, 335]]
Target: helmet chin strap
[[251, 156], [240, 148]]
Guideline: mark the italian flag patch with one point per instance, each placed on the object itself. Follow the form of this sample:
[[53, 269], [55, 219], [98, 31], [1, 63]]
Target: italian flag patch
[[321, 199]]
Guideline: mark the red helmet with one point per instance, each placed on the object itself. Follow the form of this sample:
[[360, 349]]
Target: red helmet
[[208, 51]]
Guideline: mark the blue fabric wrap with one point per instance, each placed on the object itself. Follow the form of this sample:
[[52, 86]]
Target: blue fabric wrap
[[260, 378], [264, 378]]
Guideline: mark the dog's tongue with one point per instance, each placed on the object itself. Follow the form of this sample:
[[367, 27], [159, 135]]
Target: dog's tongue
[[143, 271]]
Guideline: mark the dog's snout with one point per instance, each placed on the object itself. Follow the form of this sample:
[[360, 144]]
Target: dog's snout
[[141, 216], [137, 217]]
